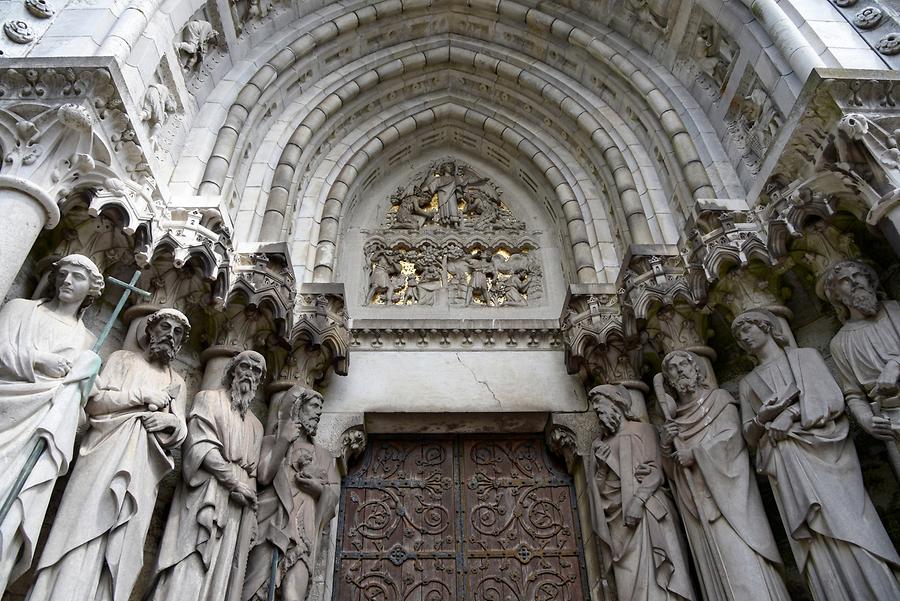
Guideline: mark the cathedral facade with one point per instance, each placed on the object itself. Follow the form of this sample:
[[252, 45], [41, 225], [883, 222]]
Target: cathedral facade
[[450, 300]]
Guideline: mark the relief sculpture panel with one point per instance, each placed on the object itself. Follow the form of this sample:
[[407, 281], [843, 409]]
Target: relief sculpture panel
[[449, 237], [454, 518]]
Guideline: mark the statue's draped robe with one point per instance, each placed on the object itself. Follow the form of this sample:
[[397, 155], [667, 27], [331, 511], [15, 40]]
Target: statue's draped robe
[[290, 519], [32, 406], [648, 560], [862, 348], [733, 547], [96, 546], [200, 542], [837, 538]]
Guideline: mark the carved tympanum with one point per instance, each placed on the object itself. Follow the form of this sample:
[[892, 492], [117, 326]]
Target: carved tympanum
[[449, 238]]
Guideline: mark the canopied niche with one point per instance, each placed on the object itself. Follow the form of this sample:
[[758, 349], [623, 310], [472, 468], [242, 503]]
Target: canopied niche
[[451, 234]]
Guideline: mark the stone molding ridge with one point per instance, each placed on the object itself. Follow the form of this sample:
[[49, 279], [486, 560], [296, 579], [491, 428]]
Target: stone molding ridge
[[460, 338]]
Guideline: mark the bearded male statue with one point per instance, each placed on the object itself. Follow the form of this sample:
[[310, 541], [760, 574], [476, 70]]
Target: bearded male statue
[[215, 501], [137, 415], [303, 487], [46, 369], [866, 351], [733, 547], [634, 518]]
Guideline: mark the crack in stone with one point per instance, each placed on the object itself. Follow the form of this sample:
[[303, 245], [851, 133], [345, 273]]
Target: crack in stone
[[482, 382]]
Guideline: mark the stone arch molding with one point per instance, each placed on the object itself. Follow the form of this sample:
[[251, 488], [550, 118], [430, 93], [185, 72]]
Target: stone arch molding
[[614, 148]]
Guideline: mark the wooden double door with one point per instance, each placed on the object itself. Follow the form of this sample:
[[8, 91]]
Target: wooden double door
[[458, 518]]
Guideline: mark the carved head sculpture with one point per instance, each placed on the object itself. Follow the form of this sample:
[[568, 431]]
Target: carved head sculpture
[[684, 372], [243, 376], [753, 329], [306, 409], [612, 404], [165, 332], [852, 287], [77, 280]]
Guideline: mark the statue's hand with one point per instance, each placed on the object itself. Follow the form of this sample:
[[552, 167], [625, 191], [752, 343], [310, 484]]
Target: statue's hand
[[156, 400], [601, 451], [669, 433], [633, 513], [877, 426], [53, 365], [685, 457], [642, 471], [771, 409], [159, 422], [243, 495], [780, 426], [886, 385]]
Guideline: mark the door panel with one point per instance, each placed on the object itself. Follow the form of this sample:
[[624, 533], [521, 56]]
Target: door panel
[[458, 518]]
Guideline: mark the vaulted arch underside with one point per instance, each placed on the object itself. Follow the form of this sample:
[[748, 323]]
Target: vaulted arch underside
[[605, 136]]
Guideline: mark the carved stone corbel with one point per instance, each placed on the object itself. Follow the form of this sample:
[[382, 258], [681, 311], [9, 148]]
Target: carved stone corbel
[[729, 245], [601, 340], [666, 296], [353, 444], [251, 307], [725, 233], [319, 338]]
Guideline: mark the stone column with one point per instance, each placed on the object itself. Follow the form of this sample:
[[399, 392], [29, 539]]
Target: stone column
[[45, 153]]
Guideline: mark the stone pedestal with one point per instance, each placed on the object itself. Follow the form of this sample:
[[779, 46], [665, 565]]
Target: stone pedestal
[[25, 212]]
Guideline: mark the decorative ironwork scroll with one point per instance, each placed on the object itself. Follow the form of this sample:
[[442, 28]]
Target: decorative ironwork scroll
[[459, 519]]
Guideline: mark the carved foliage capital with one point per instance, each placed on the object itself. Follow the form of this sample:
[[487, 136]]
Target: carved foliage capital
[[725, 234], [79, 97], [600, 334], [320, 338], [658, 276]]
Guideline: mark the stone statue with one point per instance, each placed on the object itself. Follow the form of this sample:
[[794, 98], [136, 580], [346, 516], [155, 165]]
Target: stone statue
[[479, 284], [729, 535], [866, 351], [212, 517], [198, 35], [158, 103], [634, 518], [45, 375], [793, 413], [299, 501], [385, 266], [137, 415], [450, 185]]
